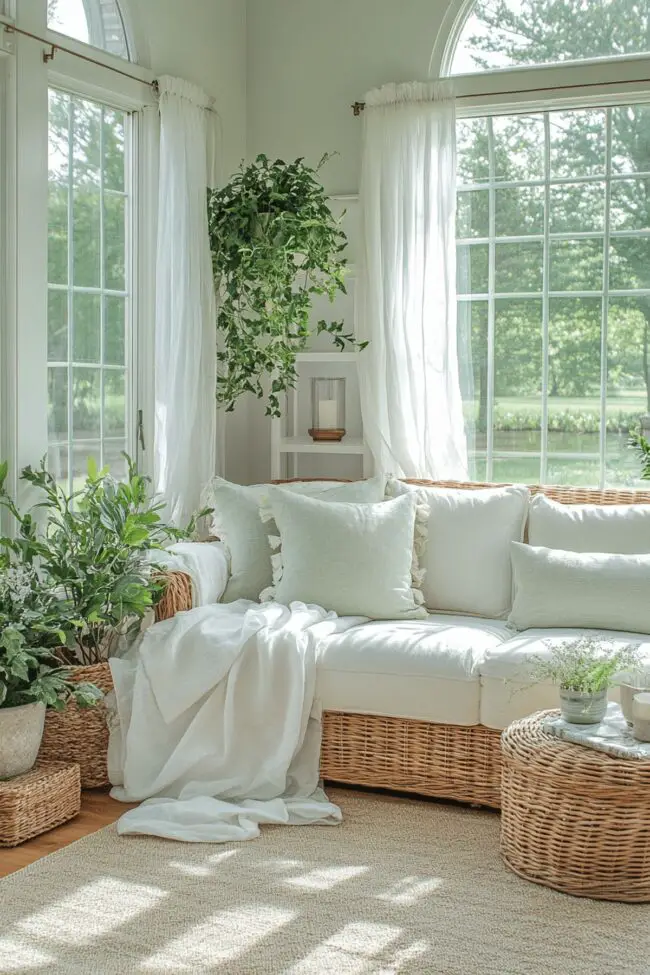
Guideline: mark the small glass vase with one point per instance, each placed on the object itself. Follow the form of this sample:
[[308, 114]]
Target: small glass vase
[[583, 707]]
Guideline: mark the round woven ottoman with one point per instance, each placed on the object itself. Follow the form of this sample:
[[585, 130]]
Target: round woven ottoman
[[573, 818]]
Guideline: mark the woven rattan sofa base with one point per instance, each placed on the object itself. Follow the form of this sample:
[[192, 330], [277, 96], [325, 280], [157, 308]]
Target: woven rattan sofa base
[[442, 760]]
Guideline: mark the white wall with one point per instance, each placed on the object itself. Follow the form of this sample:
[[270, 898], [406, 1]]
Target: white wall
[[204, 41], [308, 60]]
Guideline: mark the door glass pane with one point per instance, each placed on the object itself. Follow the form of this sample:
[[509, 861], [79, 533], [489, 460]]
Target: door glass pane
[[86, 398], [86, 329], [114, 241], [114, 403], [114, 330], [57, 325], [89, 286], [57, 420]]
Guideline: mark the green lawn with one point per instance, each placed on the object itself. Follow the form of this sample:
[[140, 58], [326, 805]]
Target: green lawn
[[584, 439]]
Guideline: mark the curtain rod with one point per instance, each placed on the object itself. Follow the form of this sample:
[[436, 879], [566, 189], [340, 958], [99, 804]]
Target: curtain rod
[[358, 107], [49, 55]]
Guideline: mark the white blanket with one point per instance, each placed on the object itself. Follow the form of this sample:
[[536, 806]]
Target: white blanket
[[218, 729]]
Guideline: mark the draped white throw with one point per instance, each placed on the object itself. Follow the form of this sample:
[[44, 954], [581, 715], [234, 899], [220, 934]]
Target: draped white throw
[[410, 392], [216, 725], [185, 427]]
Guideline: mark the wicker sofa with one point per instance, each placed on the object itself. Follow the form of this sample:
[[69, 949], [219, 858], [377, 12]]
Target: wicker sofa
[[447, 742]]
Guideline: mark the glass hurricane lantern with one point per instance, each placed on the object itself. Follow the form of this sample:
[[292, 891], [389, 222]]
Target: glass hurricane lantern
[[327, 409]]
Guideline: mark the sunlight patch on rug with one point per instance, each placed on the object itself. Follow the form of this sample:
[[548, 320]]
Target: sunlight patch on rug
[[222, 937]]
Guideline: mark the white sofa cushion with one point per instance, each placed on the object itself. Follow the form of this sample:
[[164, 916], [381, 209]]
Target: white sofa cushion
[[467, 554], [424, 669], [507, 692], [616, 528], [354, 559], [236, 521], [586, 589]]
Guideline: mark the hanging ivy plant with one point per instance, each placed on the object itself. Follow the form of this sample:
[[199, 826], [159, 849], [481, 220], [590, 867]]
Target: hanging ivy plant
[[275, 245]]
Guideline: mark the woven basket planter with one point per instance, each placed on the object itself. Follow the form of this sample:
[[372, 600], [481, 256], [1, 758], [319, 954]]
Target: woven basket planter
[[80, 735]]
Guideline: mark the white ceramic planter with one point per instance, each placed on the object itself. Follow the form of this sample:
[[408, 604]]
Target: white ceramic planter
[[579, 707], [21, 730]]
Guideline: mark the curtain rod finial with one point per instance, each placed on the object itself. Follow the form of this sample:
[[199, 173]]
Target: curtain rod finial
[[357, 108]]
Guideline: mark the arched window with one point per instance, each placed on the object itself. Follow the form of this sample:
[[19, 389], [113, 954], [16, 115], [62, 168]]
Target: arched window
[[95, 22], [553, 227], [517, 33]]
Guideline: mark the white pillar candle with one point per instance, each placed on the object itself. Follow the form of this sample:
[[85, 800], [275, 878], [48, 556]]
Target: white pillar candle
[[328, 414], [641, 707]]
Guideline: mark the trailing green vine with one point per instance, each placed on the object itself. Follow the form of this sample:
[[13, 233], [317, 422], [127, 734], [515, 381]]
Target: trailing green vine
[[275, 245]]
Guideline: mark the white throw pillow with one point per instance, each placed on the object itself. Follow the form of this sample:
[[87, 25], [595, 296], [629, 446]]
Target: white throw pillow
[[355, 559], [583, 589], [623, 529], [467, 555], [236, 521]]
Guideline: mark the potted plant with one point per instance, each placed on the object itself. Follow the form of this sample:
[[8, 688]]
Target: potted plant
[[275, 245], [34, 622], [584, 669], [92, 549]]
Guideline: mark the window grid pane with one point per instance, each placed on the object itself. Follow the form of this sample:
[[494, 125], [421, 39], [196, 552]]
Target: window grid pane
[[559, 264], [88, 334]]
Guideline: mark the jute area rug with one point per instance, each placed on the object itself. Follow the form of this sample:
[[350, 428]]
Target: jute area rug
[[402, 886]]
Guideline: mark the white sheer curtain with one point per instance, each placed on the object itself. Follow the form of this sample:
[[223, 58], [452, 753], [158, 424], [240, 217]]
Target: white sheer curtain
[[410, 393], [185, 334]]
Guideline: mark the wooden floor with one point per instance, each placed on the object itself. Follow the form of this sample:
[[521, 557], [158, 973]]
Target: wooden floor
[[97, 810]]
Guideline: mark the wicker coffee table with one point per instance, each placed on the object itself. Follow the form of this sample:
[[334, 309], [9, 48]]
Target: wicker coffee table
[[573, 818]]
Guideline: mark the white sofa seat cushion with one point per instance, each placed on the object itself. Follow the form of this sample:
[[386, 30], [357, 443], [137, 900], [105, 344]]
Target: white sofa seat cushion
[[425, 669], [507, 692]]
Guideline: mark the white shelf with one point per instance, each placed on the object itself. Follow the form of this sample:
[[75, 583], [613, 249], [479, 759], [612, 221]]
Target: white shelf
[[327, 356], [305, 445]]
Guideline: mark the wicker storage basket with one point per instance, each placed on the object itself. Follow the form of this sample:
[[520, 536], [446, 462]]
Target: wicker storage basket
[[80, 735], [46, 796], [573, 818]]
